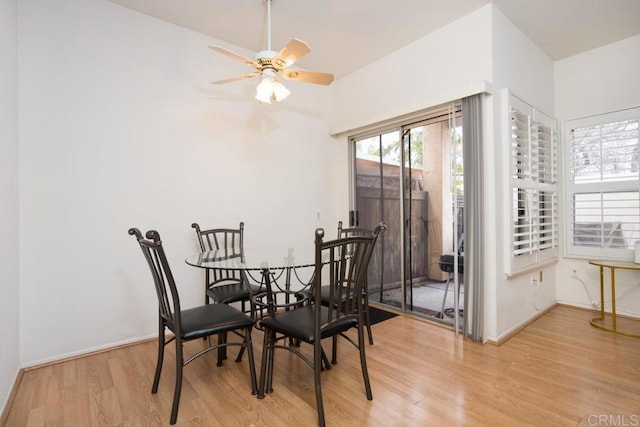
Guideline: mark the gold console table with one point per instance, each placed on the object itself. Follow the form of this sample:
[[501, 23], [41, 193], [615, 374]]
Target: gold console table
[[599, 322]]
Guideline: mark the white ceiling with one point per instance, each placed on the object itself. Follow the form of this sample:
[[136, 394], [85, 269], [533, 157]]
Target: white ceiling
[[345, 35]]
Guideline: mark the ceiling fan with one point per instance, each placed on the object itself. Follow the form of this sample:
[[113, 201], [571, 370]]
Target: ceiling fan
[[269, 64]]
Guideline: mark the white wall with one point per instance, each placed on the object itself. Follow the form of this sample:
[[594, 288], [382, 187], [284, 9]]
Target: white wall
[[119, 128], [9, 338], [598, 81], [444, 66], [519, 65]]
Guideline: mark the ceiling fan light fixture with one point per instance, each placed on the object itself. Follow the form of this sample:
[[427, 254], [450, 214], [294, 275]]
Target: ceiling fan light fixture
[[264, 91], [280, 92], [271, 89], [268, 64]]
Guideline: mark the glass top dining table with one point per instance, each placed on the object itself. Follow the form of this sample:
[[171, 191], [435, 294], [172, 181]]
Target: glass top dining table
[[257, 259], [263, 261]]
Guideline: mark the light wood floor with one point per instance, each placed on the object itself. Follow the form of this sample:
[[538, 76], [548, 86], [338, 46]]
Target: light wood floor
[[558, 371]]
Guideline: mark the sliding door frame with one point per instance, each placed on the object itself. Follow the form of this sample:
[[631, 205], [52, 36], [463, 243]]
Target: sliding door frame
[[402, 128]]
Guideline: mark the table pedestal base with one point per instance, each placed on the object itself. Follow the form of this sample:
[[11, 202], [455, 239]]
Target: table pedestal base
[[601, 321], [606, 324]]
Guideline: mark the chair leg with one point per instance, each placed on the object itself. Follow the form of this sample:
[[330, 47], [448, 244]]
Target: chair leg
[[325, 360], [317, 368], [252, 364], [240, 353], [242, 349], [161, 338], [334, 351], [367, 318], [222, 350], [270, 359], [263, 365], [178, 387], [363, 362]]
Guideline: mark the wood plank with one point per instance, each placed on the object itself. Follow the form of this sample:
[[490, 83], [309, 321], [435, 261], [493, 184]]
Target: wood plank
[[559, 370]]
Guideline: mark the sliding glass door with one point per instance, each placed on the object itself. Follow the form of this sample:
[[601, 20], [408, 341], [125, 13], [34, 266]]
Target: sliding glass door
[[377, 188], [406, 177]]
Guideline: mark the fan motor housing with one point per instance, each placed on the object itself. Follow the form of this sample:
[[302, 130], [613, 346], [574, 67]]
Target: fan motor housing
[[264, 59]]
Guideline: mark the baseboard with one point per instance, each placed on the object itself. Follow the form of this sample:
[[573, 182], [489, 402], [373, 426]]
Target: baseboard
[[591, 309], [579, 307], [12, 395], [80, 355], [88, 352]]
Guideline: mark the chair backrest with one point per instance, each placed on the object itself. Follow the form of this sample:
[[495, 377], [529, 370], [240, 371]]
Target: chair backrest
[[227, 242], [359, 231], [168, 299], [352, 231], [224, 243], [341, 268]]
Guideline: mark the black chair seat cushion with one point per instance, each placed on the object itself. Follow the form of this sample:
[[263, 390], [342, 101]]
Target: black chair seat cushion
[[231, 292], [211, 319], [299, 323], [324, 294]]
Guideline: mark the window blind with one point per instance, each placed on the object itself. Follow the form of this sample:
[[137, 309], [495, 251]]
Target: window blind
[[603, 189], [534, 175]]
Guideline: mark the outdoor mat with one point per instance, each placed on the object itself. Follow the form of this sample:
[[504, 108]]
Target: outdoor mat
[[377, 315]]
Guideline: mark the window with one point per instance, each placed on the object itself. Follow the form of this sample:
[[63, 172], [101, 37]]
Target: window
[[603, 199], [534, 191]]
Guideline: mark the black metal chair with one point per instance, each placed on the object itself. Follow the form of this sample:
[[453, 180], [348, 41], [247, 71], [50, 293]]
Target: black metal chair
[[341, 266], [225, 286], [188, 324], [347, 232]]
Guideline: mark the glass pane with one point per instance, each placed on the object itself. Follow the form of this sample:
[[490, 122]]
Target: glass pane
[[391, 173], [606, 152], [606, 220], [416, 215], [377, 199]]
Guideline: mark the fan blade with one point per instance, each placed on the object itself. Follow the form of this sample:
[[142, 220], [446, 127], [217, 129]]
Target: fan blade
[[289, 54], [249, 62], [308, 76], [233, 79]]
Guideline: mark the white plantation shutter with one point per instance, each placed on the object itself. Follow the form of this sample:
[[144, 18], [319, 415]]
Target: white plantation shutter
[[534, 173], [603, 183]]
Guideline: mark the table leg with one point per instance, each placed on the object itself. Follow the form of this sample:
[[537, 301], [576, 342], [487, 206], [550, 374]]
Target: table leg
[[267, 282], [613, 299], [602, 293], [287, 287]]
